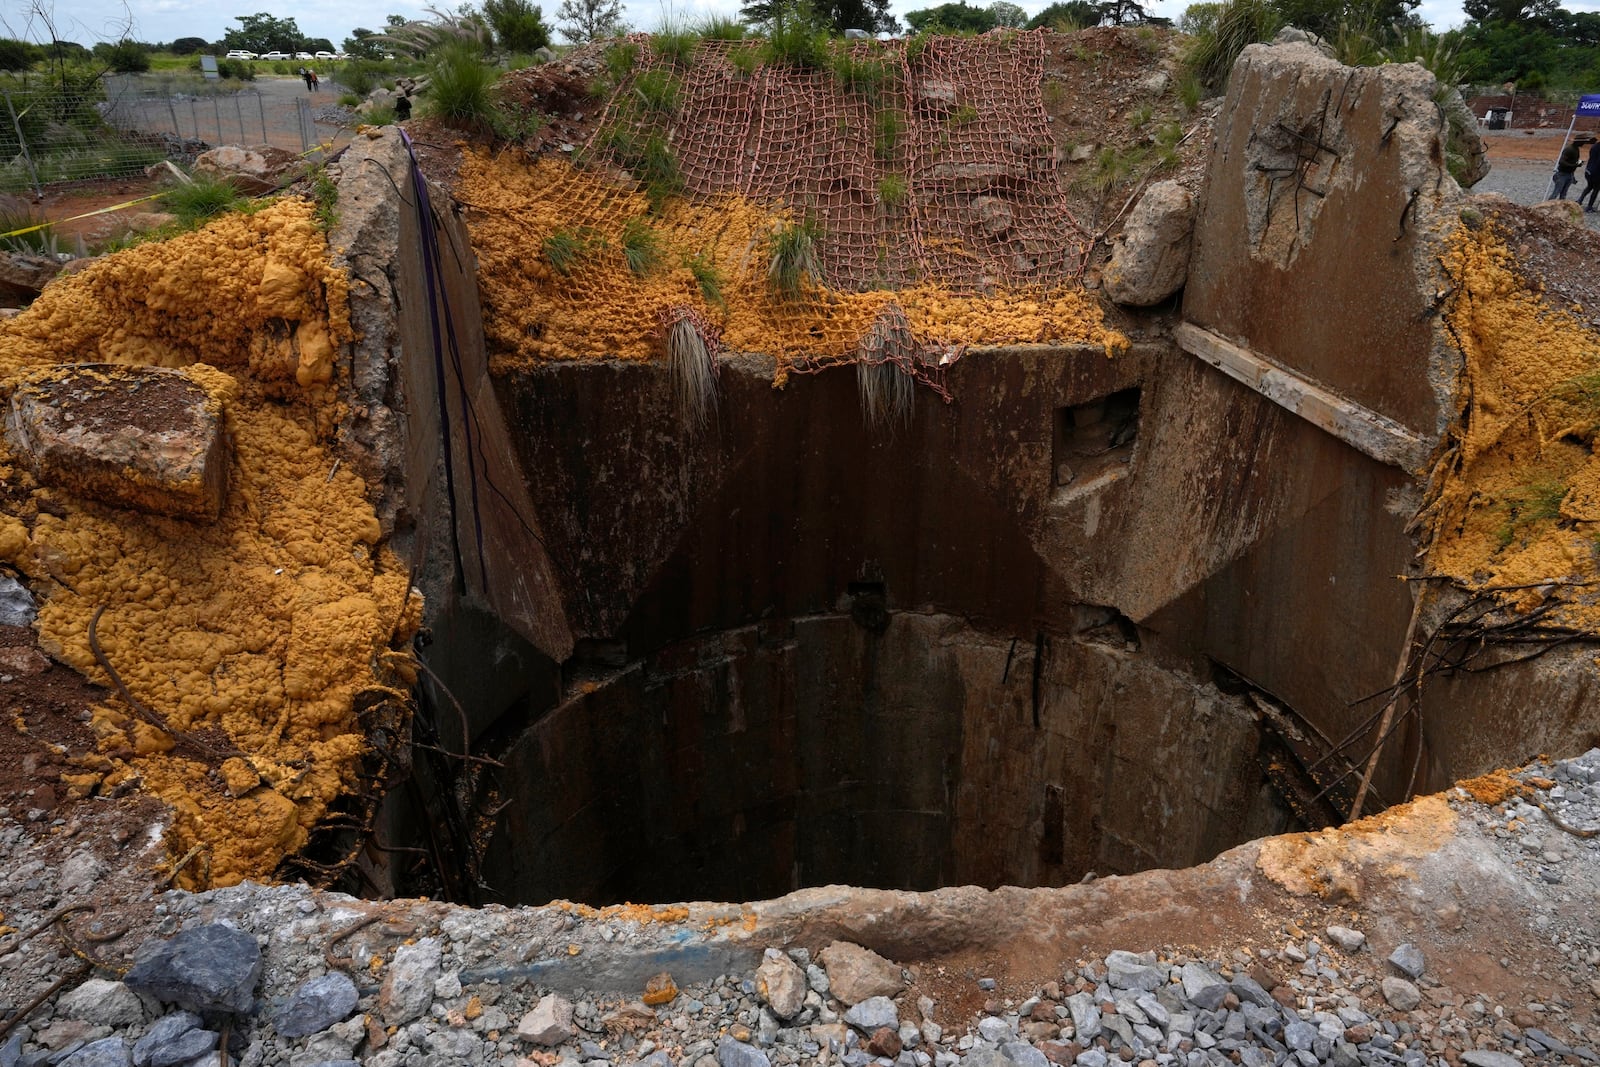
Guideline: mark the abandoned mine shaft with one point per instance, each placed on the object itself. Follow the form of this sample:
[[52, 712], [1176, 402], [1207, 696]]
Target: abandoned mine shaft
[[958, 558]]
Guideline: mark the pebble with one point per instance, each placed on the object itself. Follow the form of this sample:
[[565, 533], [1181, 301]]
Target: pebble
[[1346, 938]]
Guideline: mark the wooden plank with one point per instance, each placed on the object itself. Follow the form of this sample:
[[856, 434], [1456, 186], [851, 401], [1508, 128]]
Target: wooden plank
[[1361, 428]]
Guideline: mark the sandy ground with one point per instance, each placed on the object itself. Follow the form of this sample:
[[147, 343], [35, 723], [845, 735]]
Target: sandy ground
[[1521, 162]]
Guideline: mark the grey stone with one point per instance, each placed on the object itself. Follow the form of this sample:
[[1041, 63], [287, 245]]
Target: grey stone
[[1407, 958], [1129, 970], [1346, 938], [16, 603], [1344, 1055], [1249, 991], [201, 968], [872, 1013], [1202, 987], [1119, 1026], [107, 1052], [1023, 1054], [337, 1042], [1092, 1057], [817, 979], [190, 1045], [1486, 1058], [1401, 994], [1153, 1009], [549, 1023], [101, 1002], [731, 1053], [782, 984], [994, 1029], [11, 1051], [162, 1034], [408, 987], [1150, 261], [317, 1004], [1085, 1016], [1299, 1035]]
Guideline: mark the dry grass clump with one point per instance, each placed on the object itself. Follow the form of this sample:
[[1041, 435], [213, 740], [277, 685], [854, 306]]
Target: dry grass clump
[[693, 370]]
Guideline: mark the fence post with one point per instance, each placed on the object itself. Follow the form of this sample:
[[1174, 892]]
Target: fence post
[[22, 143], [216, 111], [262, 108], [177, 131]]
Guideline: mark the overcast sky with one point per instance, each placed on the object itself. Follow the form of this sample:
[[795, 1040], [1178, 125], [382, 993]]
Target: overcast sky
[[87, 21]]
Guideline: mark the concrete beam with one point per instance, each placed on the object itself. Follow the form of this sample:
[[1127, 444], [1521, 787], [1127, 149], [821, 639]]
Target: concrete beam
[[1361, 428]]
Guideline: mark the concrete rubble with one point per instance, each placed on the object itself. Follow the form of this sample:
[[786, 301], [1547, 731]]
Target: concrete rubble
[[137, 437], [256, 966]]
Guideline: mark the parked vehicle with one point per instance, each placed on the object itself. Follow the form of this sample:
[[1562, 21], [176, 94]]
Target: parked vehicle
[[304, 55], [239, 53], [326, 55], [273, 56]]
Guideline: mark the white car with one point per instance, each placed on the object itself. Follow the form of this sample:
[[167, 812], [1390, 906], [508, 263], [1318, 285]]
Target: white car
[[239, 53], [326, 55], [273, 55], [304, 55]]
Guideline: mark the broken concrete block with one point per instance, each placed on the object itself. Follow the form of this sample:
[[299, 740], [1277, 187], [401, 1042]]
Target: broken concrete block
[[856, 973], [134, 437], [1150, 261]]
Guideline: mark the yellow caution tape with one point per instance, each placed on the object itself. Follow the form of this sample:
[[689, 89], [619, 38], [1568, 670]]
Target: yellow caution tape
[[85, 215], [125, 204]]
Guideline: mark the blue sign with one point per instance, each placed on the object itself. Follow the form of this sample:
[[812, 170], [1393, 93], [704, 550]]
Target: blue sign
[[1589, 106]]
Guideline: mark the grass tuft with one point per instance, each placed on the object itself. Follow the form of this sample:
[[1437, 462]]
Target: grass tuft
[[707, 277], [458, 92], [1536, 502], [562, 250], [792, 266], [640, 247], [658, 90], [202, 198], [892, 189]]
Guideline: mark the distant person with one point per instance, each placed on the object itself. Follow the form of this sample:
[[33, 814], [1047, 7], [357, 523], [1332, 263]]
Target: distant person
[[1567, 168], [305, 72], [1591, 178], [316, 82]]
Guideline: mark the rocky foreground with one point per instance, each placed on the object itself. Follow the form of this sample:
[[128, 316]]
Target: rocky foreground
[[281, 975]]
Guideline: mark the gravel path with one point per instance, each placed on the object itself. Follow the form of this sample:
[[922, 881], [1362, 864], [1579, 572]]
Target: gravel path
[[1527, 183]]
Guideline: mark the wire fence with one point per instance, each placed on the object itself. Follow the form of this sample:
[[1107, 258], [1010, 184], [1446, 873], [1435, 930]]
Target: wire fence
[[117, 127]]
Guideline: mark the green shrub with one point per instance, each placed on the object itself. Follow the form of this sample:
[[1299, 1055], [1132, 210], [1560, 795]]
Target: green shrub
[[887, 127], [965, 115], [892, 189], [744, 60], [349, 100], [792, 263], [621, 59], [458, 94], [640, 247], [721, 28], [562, 250], [360, 77], [675, 42], [238, 69], [1534, 503], [796, 42], [865, 76], [1218, 42], [203, 197], [658, 90], [19, 215], [707, 277]]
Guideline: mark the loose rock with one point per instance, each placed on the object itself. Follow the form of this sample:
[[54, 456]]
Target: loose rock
[[549, 1023], [856, 973], [317, 1004], [782, 984], [201, 968]]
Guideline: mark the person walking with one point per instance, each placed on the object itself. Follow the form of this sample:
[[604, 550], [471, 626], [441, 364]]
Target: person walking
[[305, 72], [316, 82], [1567, 168], [1591, 178]]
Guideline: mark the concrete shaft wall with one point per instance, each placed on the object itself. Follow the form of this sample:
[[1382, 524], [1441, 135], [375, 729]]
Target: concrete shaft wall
[[911, 751]]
